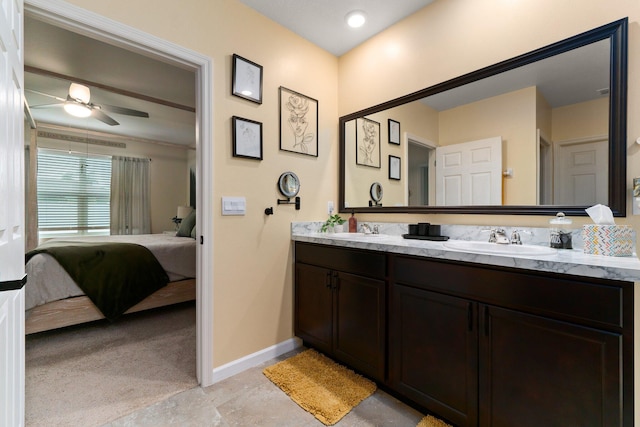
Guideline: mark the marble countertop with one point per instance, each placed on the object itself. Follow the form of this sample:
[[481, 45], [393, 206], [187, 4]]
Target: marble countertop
[[573, 261]]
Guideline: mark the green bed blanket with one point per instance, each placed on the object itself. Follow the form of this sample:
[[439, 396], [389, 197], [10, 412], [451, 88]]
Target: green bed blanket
[[115, 276]]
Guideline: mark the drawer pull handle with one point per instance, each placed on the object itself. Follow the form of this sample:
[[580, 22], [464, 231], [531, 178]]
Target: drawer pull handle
[[327, 282]]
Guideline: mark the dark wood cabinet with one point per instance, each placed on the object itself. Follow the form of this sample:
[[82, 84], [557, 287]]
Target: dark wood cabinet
[[539, 358], [340, 305], [536, 371], [477, 345], [433, 352]]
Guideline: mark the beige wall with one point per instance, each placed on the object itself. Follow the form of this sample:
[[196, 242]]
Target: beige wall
[[252, 254], [587, 119], [450, 38]]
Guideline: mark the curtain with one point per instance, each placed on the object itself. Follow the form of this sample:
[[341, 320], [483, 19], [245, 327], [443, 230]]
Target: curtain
[[130, 212]]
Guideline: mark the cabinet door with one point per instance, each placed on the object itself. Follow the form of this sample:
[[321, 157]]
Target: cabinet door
[[434, 352], [313, 306], [359, 323], [542, 372]]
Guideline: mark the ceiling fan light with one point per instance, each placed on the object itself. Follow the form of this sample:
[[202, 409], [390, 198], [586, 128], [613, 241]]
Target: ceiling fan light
[[77, 110], [79, 92], [356, 18]]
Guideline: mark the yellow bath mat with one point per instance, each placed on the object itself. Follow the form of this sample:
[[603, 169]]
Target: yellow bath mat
[[319, 385], [430, 421]]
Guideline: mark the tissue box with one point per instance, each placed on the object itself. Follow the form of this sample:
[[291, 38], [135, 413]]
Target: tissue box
[[610, 240]]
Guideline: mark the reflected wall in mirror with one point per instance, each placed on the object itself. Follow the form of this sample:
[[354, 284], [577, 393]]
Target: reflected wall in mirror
[[559, 114]]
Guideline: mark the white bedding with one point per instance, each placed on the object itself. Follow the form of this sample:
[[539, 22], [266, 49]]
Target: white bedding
[[47, 281]]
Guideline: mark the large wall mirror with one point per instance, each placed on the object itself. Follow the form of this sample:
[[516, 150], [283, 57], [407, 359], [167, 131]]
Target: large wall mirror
[[536, 134]]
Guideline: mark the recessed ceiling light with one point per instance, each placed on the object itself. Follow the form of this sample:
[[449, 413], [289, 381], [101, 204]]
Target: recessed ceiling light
[[356, 18]]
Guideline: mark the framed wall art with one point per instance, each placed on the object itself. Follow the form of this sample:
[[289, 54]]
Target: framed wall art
[[247, 138], [394, 132], [394, 168], [298, 122], [247, 79], [367, 142]]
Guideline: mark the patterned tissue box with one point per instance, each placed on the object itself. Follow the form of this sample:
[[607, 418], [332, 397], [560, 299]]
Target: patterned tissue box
[[609, 240]]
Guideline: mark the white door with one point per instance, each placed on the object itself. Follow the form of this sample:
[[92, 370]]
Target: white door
[[469, 173], [11, 214], [581, 174]]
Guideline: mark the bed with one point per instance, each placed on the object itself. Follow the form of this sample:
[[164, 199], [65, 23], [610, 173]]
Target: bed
[[53, 300]]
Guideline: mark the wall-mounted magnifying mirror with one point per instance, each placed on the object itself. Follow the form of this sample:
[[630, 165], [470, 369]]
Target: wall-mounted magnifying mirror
[[289, 184], [375, 192], [556, 118]]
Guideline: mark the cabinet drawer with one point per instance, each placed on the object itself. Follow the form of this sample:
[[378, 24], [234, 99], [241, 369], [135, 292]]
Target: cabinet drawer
[[364, 263], [575, 299]]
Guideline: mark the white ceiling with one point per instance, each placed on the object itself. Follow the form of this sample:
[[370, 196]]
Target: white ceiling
[[322, 22]]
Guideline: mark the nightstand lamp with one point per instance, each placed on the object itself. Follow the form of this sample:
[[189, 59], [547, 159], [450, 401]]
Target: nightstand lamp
[[183, 211]]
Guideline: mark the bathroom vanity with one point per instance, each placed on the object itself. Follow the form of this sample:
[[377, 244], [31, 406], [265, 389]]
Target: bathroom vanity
[[478, 339]]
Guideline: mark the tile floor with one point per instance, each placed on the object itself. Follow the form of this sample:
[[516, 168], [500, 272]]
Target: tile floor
[[250, 399]]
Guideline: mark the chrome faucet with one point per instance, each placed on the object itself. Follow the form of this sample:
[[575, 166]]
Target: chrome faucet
[[499, 236], [515, 237], [366, 229]]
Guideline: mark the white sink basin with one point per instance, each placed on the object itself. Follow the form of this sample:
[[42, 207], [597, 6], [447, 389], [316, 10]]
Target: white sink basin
[[494, 248]]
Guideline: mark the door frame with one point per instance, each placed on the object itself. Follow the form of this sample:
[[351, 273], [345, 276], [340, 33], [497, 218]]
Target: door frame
[[73, 18]]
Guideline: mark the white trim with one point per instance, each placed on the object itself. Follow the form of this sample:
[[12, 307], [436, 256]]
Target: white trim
[[65, 15], [239, 365], [582, 140]]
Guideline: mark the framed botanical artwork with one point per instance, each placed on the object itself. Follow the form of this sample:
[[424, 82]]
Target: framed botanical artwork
[[394, 167], [394, 132], [367, 142], [247, 79], [298, 122], [247, 138]]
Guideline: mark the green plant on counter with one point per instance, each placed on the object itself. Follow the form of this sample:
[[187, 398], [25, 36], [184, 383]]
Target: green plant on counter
[[331, 222]]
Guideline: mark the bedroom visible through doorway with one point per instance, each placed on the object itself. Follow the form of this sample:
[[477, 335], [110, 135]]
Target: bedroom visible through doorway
[[90, 25]]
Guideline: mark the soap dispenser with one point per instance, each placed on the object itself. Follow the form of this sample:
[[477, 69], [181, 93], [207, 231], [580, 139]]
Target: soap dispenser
[[559, 232], [353, 223]]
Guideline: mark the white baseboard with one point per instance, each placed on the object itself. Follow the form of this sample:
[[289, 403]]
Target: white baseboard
[[232, 368]]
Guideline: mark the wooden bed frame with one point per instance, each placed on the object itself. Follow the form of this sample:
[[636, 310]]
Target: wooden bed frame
[[76, 310]]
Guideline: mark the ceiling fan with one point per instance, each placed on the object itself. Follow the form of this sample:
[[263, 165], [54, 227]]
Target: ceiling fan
[[78, 104]]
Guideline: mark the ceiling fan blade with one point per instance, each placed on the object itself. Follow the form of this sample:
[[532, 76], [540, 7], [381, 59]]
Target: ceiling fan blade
[[45, 94], [97, 114], [122, 110], [47, 106]]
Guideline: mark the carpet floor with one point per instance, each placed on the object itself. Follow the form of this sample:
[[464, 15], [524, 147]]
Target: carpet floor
[[88, 375]]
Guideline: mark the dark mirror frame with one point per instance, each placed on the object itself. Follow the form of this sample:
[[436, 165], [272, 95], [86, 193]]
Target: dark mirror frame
[[616, 32]]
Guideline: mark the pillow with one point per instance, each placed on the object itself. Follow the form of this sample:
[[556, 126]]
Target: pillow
[[187, 224], [193, 232]]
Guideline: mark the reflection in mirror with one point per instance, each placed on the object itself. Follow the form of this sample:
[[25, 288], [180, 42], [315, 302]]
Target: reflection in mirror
[[533, 134], [375, 191]]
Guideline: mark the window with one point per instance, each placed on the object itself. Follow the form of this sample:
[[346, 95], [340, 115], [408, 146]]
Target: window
[[73, 194]]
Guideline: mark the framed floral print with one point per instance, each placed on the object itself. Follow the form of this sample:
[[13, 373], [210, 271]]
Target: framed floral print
[[394, 132], [394, 168], [247, 79], [298, 122], [247, 138], [367, 142]]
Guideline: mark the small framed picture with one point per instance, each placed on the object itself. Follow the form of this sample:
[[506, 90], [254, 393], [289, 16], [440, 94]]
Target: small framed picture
[[367, 143], [394, 132], [394, 167], [298, 122], [247, 79], [247, 138]]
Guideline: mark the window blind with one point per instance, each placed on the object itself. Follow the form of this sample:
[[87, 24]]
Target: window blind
[[73, 192]]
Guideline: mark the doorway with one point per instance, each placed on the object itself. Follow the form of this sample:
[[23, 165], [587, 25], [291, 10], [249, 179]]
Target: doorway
[[91, 25], [421, 171]]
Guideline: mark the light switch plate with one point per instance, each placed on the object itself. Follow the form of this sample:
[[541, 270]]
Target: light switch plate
[[234, 206]]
